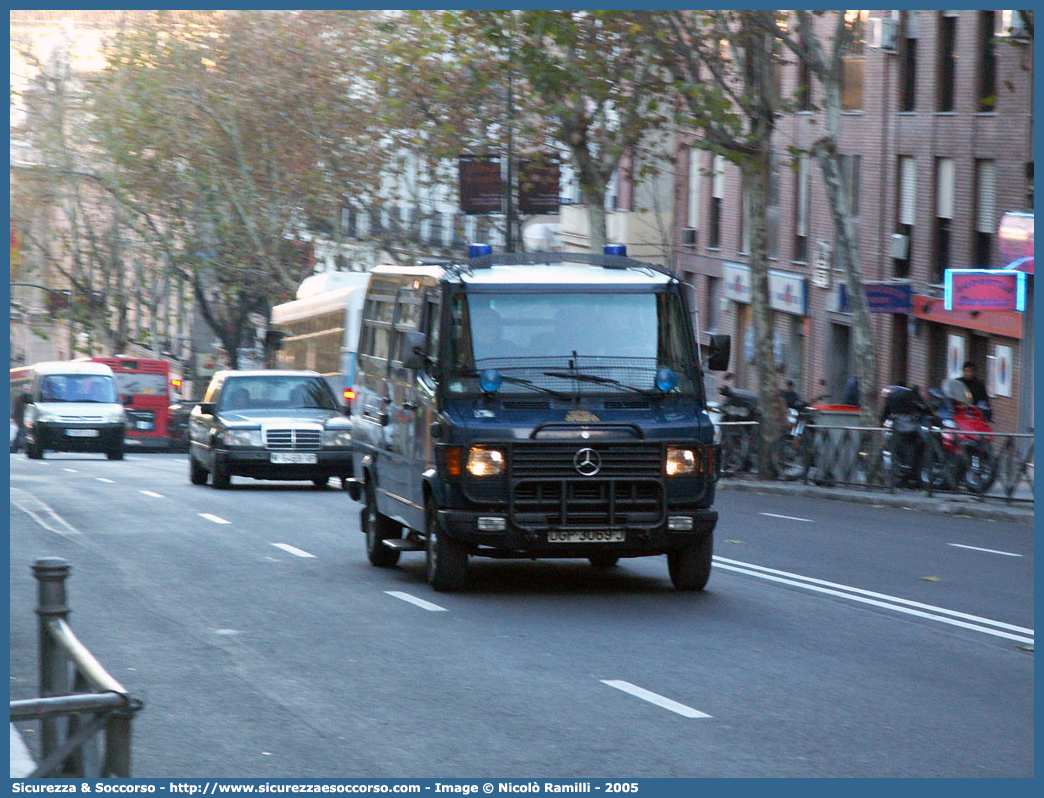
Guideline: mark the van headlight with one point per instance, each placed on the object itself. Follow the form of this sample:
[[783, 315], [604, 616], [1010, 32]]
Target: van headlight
[[42, 417], [680, 461], [337, 437], [241, 437], [485, 462], [115, 417]]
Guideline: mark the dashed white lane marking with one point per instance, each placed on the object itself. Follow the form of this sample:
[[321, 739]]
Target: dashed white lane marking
[[71, 470], [293, 550], [103, 479], [887, 602], [988, 551], [424, 605], [654, 698], [41, 513], [215, 518], [788, 517], [153, 494]]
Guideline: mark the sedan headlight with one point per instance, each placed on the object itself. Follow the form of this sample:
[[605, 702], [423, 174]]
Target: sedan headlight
[[680, 461], [485, 462], [241, 437], [337, 437]]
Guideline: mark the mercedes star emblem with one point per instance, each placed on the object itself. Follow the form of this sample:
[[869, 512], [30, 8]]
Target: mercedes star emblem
[[587, 462]]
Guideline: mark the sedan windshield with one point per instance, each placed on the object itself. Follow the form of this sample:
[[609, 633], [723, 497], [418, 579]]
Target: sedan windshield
[[270, 392], [605, 341]]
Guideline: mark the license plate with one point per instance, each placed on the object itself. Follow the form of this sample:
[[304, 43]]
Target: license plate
[[299, 458], [144, 425], [587, 536], [82, 433]]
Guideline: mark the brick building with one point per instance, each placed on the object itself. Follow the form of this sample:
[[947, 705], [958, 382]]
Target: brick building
[[937, 143]]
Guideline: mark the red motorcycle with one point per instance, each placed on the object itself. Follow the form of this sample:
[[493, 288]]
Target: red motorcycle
[[966, 445]]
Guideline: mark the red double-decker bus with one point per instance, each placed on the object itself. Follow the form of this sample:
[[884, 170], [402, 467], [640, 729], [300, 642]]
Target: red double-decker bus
[[145, 388]]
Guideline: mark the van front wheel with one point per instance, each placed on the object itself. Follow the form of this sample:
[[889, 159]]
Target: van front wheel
[[447, 563], [690, 567]]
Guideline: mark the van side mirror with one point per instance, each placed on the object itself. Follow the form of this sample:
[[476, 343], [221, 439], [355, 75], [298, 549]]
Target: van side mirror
[[413, 350], [127, 399], [206, 408], [718, 351]]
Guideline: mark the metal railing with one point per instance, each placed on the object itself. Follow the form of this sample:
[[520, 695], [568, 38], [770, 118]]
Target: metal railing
[[1001, 467], [80, 704]]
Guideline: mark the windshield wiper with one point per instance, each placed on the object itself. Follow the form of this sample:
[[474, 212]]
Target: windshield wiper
[[531, 384], [581, 377]]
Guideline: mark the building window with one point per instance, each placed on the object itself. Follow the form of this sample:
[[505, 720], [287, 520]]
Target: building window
[[985, 214], [744, 242], [853, 61], [908, 61], [906, 205], [947, 65], [801, 192], [987, 63], [772, 211], [943, 216], [804, 89], [1029, 186], [695, 184], [717, 196]]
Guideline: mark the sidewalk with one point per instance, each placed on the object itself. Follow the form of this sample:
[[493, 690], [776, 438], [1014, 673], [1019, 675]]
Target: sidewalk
[[991, 509]]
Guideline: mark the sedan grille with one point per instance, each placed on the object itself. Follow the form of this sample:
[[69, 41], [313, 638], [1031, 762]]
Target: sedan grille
[[293, 439]]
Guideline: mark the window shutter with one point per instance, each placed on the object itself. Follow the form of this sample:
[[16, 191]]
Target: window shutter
[[985, 180], [694, 188], [907, 189], [944, 188], [804, 166], [718, 186]]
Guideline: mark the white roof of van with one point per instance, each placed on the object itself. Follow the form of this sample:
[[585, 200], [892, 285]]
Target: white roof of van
[[72, 367], [565, 273]]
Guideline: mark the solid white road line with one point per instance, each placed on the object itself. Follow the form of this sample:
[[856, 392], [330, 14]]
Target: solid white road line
[[216, 519], [988, 551], [152, 494], [788, 517], [653, 698], [293, 550], [890, 602], [424, 605], [103, 479], [41, 513]]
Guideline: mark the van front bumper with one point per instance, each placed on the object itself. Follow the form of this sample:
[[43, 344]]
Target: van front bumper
[[70, 437], [464, 528]]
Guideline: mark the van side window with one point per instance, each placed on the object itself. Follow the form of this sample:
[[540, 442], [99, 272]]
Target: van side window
[[375, 337], [407, 318], [431, 325]]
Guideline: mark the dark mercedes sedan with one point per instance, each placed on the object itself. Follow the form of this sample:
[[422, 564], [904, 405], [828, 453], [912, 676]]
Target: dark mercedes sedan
[[283, 425]]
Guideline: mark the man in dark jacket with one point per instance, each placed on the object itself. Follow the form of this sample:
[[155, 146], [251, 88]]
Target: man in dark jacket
[[977, 389]]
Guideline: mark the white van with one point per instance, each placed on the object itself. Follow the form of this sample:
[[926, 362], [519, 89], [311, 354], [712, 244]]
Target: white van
[[73, 407]]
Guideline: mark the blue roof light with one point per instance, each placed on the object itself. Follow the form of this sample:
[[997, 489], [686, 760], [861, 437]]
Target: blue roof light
[[666, 379], [478, 250], [489, 381], [614, 249]]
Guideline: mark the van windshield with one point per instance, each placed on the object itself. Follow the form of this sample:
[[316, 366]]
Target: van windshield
[[78, 388], [572, 342]]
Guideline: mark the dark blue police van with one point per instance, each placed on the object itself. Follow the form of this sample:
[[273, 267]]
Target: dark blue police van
[[538, 405]]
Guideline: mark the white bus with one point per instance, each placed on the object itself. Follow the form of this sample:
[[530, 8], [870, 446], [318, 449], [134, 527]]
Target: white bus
[[321, 327]]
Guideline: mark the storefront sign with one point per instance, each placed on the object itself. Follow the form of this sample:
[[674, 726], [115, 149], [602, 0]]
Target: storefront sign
[[821, 265], [735, 282], [984, 289], [998, 322], [787, 293], [880, 297]]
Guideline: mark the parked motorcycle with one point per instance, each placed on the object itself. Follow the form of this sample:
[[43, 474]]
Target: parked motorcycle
[[907, 453], [964, 440], [791, 452], [737, 447]]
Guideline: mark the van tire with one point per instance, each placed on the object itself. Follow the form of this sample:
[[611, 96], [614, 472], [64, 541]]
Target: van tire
[[690, 567], [221, 479], [115, 454], [321, 482], [377, 529], [604, 561], [447, 563], [197, 473]]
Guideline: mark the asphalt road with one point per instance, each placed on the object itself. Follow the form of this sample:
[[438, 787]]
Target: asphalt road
[[832, 640]]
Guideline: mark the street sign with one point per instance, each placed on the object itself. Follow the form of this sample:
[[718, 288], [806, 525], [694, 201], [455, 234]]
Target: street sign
[[821, 265], [481, 187], [538, 185]]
